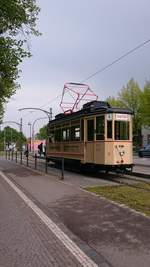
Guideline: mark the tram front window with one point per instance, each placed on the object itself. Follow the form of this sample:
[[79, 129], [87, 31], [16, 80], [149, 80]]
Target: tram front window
[[121, 130]]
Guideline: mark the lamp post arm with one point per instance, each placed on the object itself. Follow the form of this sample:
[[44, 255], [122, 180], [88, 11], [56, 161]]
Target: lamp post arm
[[45, 111], [17, 123], [42, 118], [6, 122]]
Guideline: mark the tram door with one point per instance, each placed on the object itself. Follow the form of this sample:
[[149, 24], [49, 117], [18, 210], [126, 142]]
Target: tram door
[[90, 141]]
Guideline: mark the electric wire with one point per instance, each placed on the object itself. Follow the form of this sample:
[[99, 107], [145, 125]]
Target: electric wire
[[50, 101], [129, 52], [117, 60]]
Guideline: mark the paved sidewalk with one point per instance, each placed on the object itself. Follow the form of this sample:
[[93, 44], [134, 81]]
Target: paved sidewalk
[[142, 171], [141, 167], [24, 239], [110, 234], [142, 161]]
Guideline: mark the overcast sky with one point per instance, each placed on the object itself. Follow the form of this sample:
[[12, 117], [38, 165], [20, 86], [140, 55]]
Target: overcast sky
[[79, 38]]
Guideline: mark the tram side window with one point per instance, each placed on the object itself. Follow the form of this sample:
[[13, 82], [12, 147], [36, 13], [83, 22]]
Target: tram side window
[[90, 130], [51, 136], [58, 135], [109, 129], [75, 133], [82, 130], [100, 128], [121, 130], [66, 134]]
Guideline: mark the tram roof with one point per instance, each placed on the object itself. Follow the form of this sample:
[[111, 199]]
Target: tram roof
[[91, 108]]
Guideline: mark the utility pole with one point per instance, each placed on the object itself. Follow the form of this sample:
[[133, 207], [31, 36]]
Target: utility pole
[[21, 125], [21, 134], [4, 140], [50, 116]]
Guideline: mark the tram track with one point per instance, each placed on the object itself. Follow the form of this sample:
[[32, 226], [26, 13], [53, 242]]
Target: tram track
[[116, 178]]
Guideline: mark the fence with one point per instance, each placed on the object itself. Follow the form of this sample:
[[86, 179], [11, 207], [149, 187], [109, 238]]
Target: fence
[[33, 161]]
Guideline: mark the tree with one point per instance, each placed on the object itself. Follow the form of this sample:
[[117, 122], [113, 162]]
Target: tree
[[18, 22], [42, 133], [114, 102], [145, 105], [10, 135], [130, 97]]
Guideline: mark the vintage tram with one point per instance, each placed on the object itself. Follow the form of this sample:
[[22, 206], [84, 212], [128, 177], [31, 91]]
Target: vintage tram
[[98, 135]]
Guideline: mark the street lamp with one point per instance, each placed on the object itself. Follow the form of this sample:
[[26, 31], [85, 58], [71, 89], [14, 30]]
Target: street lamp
[[48, 114], [30, 135], [33, 137]]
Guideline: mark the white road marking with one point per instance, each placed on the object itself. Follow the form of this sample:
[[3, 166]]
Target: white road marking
[[68, 243]]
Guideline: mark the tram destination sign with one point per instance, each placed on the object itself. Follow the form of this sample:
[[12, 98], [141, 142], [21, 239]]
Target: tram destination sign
[[122, 117]]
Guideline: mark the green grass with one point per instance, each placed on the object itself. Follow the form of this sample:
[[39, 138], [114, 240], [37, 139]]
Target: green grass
[[135, 198]]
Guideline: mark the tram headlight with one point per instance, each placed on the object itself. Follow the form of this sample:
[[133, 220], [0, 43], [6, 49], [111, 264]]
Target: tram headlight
[[122, 153]]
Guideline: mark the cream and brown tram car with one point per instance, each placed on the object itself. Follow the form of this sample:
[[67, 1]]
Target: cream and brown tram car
[[97, 135]]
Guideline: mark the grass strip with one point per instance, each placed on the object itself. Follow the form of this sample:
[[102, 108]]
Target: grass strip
[[137, 198]]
